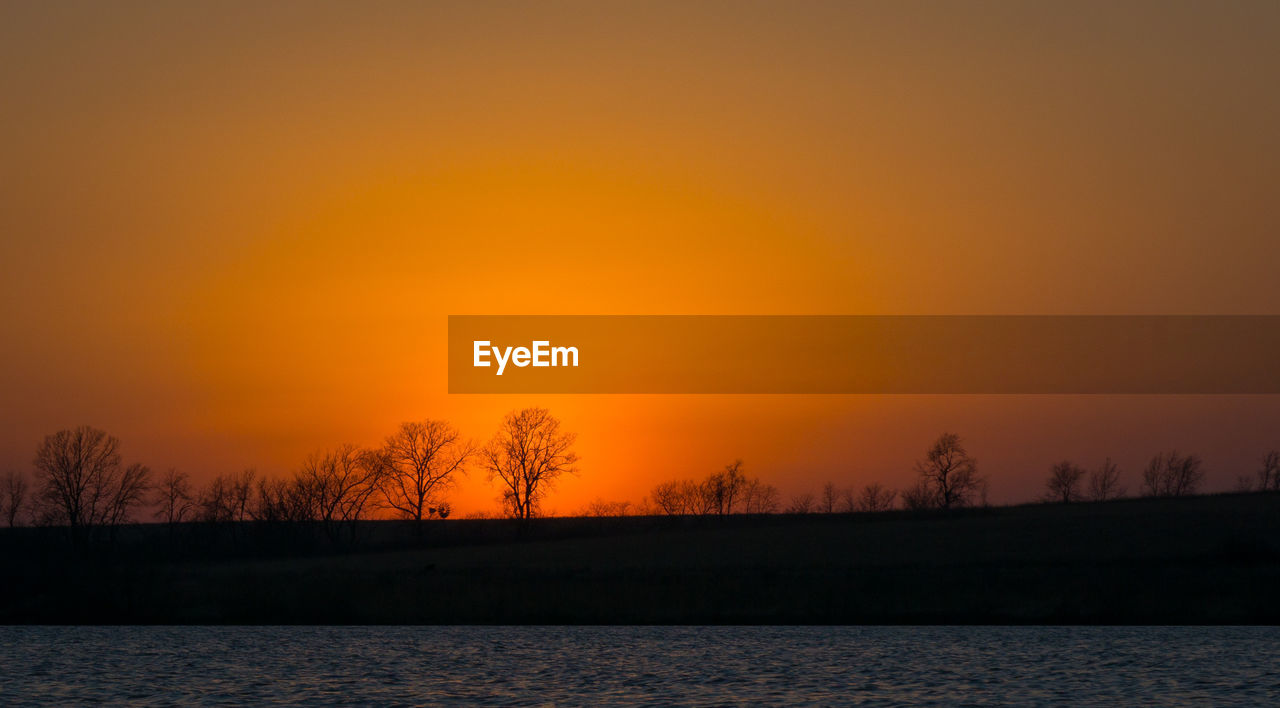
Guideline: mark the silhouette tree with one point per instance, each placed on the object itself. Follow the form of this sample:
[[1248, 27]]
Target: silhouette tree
[[422, 461], [950, 474], [1063, 484], [528, 455], [602, 508], [830, 498], [667, 498], [340, 484], [760, 498], [1269, 473], [802, 504], [1172, 475], [173, 499], [724, 489], [81, 482], [920, 496], [728, 491], [226, 498], [1104, 482], [875, 497], [282, 500], [213, 503], [15, 496]]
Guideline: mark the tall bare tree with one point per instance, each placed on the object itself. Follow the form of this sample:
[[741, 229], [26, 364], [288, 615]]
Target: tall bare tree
[[1063, 484], [1172, 475], [527, 455], [1104, 482], [15, 496], [81, 482], [422, 461], [950, 474]]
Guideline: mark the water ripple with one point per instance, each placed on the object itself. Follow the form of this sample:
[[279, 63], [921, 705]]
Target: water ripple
[[642, 666]]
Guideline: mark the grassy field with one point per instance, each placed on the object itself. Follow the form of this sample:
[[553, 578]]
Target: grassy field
[[1213, 559]]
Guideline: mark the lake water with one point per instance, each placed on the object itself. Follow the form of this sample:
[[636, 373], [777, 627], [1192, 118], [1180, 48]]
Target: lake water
[[638, 665]]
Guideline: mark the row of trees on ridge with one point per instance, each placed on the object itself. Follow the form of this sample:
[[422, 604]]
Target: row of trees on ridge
[[81, 481]]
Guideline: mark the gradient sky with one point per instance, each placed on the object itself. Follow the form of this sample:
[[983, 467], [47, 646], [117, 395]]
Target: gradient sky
[[232, 232]]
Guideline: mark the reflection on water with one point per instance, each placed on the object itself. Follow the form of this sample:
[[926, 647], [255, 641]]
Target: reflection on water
[[638, 665]]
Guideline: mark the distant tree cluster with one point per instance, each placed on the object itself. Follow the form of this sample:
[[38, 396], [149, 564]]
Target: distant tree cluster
[[728, 491], [82, 483], [1168, 474], [1069, 482], [947, 479], [1267, 478]]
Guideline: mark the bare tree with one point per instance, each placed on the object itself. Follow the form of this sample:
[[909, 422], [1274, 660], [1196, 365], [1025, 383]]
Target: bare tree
[[215, 503], [951, 474], [422, 461], [128, 493], [173, 499], [876, 498], [760, 498], [283, 500], [15, 496], [1172, 475], [1063, 484], [667, 498], [1104, 482], [802, 504], [81, 482], [527, 455], [920, 496], [724, 489], [1269, 473], [848, 500], [726, 492], [240, 491], [830, 498], [685, 497], [340, 484], [602, 508]]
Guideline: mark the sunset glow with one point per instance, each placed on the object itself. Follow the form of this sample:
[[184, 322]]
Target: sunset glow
[[232, 238]]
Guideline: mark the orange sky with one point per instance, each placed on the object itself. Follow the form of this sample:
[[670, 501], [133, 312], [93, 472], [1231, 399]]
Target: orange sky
[[232, 233]]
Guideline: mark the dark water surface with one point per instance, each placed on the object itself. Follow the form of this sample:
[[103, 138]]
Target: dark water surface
[[639, 665]]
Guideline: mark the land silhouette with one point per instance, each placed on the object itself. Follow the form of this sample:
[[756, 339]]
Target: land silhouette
[[318, 547], [1205, 559]]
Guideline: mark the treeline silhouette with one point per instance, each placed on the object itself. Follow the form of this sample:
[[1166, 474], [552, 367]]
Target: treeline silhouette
[[82, 484], [947, 477]]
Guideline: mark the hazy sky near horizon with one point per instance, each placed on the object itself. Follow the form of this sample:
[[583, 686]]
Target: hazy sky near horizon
[[232, 232]]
